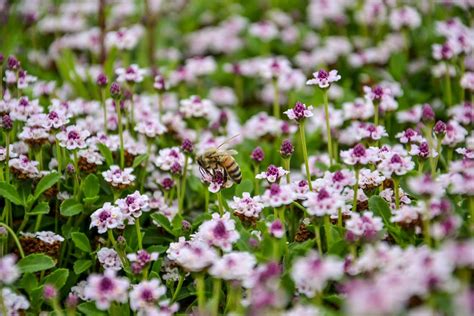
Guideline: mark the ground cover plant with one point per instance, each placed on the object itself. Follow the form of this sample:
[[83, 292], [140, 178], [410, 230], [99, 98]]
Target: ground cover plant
[[237, 157]]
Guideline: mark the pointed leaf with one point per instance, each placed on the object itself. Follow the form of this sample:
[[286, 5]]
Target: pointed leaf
[[40, 208], [81, 241], [9, 192], [45, 183], [71, 207], [105, 151], [35, 262], [81, 266], [91, 186], [58, 278]]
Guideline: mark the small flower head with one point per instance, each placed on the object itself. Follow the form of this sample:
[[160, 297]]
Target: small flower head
[[102, 80], [427, 113], [257, 155], [299, 112], [187, 146], [49, 292], [115, 90], [276, 229], [323, 79], [106, 217], [440, 128]]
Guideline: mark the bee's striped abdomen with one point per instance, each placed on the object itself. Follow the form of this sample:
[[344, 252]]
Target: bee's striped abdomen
[[232, 168]]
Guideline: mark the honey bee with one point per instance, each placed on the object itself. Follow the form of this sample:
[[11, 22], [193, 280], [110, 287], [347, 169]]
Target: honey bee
[[216, 159]]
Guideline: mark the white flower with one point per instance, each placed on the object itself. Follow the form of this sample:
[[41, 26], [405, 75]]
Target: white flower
[[219, 231], [118, 177], [8, 270], [109, 259], [133, 74], [323, 79], [106, 289], [73, 137], [311, 273], [106, 217], [233, 266], [247, 206], [146, 294]]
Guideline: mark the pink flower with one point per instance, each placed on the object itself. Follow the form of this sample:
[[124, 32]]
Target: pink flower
[[146, 294], [106, 289], [193, 256], [150, 128], [109, 259], [234, 265], [278, 195], [247, 206], [106, 217], [118, 177], [366, 226], [273, 174], [323, 79], [276, 228], [167, 157], [132, 206], [73, 137], [395, 164], [324, 202], [467, 81], [359, 155], [132, 74], [195, 107], [9, 272], [409, 136], [312, 273], [219, 232], [299, 112], [427, 186]]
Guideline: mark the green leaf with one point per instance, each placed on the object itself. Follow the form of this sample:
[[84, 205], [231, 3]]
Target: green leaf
[[163, 221], [81, 266], [9, 192], [58, 278], [138, 160], [245, 186], [91, 186], [90, 309], [35, 262], [70, 207], [40, 208], [338, 248], [45, 183], [105, 151], [380, 208], [90, 200], [28, 282], [81, 241]]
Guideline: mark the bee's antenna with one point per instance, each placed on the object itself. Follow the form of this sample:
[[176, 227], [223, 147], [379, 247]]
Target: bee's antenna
[[227, 140]]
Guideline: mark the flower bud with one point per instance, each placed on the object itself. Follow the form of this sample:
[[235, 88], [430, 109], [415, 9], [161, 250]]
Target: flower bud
[[187, 146], [49, 292], [427, 113], [115, 90], [13, 63], [286, 149], [102, 80], [440, 128], [7, 122], [257, 155]]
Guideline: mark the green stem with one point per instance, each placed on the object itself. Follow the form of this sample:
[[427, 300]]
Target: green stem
[[327, 230], [200, 290], [305, 154], [426, 228], [256, 185], [286, 165], [449, 99], [15, 238], [396, 192], [276, 99], [339, 218], [58, 156], [76, 173], [376, 113], [216, 291], [471, 209], [178, 287], [7, 156], [317, 237], [120, 130], [104, 109], [139, 234], [328, 126], [356, 189], [221, 204], [183, 184]]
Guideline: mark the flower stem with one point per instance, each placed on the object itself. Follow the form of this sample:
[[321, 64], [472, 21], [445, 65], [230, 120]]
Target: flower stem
[[339, 218], [183, 185], [216, 291], [328, 126], [201, 295], [7, 156], [305, 154], [104, 108], [15, 238], [449, 99], [221, 205], [356, 189], [426, 227], [317, 237], [376, 113], [139, 234], [471, 209], [276, 99], [396, 193], [255, 180], [120, 130], [286, 165], [178, 287], [327, 230]]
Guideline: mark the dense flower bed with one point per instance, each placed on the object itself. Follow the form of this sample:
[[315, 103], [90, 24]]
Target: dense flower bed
[[216, 157]]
